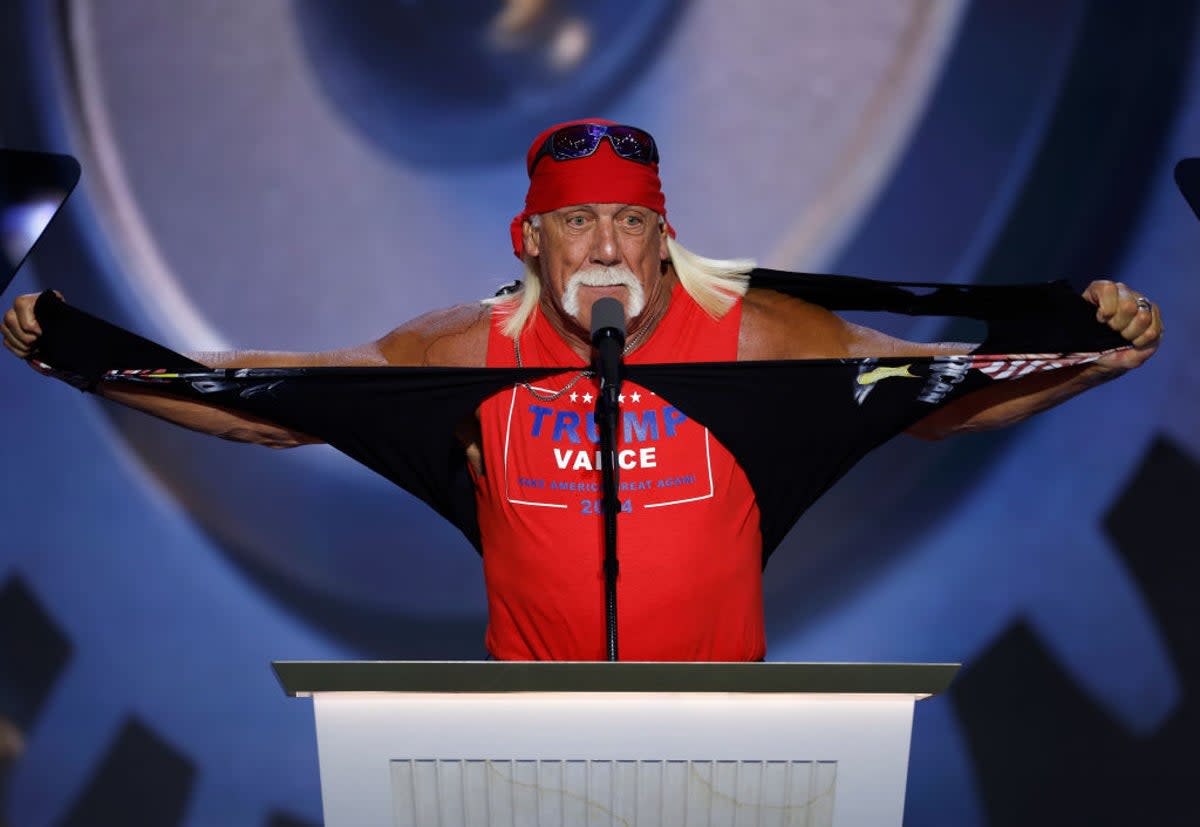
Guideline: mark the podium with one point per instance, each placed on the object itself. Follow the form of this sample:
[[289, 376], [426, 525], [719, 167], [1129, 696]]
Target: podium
[[461, 744]]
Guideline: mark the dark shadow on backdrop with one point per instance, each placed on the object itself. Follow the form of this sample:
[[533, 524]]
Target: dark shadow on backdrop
[[1072, 218]]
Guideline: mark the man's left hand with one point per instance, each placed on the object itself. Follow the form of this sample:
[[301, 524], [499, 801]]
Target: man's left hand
[[1131, 314]]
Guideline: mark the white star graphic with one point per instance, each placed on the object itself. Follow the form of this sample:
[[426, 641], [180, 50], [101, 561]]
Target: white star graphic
[[636, 397], [574, 396], [587, 397], [621, 398]]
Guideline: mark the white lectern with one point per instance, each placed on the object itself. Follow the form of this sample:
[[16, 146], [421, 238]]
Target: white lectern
[[460, 744]]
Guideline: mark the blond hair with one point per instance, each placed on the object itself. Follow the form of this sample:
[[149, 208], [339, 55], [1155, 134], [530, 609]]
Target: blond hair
[[713, 283]]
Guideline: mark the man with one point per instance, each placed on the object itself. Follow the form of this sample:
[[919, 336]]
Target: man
[[594, 225]]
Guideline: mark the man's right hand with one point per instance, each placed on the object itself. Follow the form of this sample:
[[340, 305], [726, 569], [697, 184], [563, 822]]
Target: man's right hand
[[21, 329]]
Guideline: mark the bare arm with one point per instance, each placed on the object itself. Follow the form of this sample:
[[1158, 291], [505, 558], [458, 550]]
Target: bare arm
[[457, 336], [779, 327], [236, 425], [1009, 402]]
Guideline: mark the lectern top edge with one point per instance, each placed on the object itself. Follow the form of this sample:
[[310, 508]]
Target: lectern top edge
[[307, 677]]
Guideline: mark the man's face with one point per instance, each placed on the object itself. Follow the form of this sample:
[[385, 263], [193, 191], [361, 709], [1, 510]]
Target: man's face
[[585, 252]]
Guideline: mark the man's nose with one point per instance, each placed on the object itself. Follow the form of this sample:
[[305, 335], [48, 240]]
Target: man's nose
[[604, 243]]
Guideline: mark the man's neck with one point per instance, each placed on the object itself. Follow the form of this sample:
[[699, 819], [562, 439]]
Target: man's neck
[[639, 329]]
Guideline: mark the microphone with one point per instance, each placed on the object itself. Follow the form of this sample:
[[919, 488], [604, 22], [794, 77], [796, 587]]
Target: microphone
[[608, 337]]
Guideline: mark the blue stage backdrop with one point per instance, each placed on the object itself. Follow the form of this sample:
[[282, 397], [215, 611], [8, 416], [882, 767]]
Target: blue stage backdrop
[[304, 175]]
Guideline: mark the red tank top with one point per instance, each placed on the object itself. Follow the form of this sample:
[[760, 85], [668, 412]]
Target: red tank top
[[688, 538]]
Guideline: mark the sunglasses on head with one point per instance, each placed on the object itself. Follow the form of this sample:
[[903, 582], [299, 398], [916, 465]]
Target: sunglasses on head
[[581, 140]]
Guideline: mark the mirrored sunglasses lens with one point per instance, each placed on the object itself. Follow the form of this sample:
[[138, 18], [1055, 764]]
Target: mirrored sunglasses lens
[[633, 144], [574, 142]]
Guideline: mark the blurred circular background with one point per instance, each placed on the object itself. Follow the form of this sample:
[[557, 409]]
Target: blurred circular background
[[289, 176], [306, 175]]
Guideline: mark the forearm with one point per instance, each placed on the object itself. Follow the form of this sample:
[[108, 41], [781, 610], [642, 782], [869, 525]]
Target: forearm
[[214, 420], [205, 418], [22, 334], [233, 425], [363, 356], [1008, 402]]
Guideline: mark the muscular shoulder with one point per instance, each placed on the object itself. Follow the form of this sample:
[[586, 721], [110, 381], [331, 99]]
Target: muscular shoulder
[[453, 337], [777, 326]]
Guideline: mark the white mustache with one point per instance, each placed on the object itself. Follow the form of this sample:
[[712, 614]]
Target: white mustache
[[605, 277]]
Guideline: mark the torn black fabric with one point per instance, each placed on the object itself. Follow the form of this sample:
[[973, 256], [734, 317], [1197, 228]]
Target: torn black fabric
[[401, 422]]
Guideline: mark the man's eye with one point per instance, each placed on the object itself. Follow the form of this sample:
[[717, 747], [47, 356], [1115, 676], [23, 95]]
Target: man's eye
[[576, 221]]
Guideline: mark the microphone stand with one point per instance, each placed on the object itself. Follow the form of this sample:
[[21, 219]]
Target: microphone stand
[[608, 335], [607, 415]]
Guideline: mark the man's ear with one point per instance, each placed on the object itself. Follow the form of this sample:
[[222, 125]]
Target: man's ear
[[664, 252], [531, 238]]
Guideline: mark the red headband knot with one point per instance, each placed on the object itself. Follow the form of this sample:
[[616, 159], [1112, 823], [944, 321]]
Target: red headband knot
[[601, 178]]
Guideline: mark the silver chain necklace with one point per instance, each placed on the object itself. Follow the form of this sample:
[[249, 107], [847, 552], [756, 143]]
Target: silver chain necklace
[[630, 345]]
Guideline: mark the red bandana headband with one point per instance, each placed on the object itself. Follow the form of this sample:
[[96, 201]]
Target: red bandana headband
[[601, 178]]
